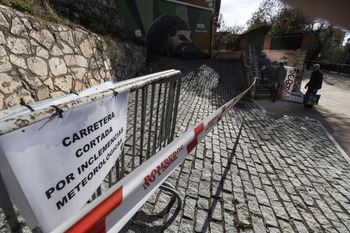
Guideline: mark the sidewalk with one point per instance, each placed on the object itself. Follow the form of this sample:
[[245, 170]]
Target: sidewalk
[[333, 110], [257, 171]]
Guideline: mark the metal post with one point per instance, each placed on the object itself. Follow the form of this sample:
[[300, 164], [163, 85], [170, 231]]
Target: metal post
[[7, 207]]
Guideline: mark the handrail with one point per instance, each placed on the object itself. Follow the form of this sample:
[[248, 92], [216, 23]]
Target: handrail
[[14, 123]]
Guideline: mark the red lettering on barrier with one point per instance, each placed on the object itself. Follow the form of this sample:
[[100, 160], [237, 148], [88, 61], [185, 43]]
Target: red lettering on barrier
[[159, 168], [147, 180], [152, 177], [94, 220], [165, 164]]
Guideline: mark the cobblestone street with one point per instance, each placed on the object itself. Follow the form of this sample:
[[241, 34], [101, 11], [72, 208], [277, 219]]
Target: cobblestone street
[[255, 172]]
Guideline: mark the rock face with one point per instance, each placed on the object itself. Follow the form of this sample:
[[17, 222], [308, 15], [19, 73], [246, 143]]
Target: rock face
[[40, 60], [97, 15]]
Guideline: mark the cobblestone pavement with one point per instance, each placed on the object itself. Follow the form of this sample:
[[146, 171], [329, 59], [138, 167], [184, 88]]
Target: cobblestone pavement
[[333, 109], [255, 172]]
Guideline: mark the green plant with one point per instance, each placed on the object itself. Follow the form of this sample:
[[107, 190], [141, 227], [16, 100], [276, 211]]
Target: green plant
[[112, 47], [24, 6], [239, 224], [44, 10]]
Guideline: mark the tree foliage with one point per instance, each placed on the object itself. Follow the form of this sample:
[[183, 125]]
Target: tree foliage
[[327, 43], [264, 15], [284, 19], [225, 38], [289, 21]]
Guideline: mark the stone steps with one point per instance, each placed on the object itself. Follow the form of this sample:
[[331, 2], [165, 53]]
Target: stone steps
[[261, 92]]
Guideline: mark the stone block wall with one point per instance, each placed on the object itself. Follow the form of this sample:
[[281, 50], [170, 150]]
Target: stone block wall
[[41, 60]]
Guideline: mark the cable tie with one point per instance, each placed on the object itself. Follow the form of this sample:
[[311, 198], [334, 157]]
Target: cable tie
[[58, 110], [115, 92], [73, 92], [26, 105]]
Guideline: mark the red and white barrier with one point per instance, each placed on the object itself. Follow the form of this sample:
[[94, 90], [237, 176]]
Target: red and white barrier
[[111, 211]]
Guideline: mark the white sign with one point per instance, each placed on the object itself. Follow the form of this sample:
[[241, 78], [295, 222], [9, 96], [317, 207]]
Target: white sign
[[290, 79], [52, 167]]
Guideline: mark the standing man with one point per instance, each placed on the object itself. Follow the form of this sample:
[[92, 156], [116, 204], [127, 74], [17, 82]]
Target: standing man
[[265, 67], [278, 77], [314, 84]]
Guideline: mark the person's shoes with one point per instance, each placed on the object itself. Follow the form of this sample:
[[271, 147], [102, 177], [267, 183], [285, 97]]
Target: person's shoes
[[273, 100]]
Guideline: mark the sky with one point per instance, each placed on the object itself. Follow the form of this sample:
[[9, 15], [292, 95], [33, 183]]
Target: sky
[[238, 11]]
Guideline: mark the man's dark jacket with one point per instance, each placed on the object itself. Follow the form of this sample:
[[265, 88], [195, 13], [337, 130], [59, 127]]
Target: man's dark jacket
[[316, 80]]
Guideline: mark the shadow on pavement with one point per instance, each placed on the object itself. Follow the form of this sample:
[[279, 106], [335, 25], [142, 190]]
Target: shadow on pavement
[[224, 176], [337, 124]]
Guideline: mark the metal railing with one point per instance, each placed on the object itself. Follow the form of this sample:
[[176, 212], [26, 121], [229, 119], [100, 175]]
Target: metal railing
[[152, 112], [251, 61], [338, 68], [250, 67]]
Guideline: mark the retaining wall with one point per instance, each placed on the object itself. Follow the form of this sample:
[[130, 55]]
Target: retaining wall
[[41, 60]]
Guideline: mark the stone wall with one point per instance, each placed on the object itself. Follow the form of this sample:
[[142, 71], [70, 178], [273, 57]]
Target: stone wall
[[100, 16], [41, 60]]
